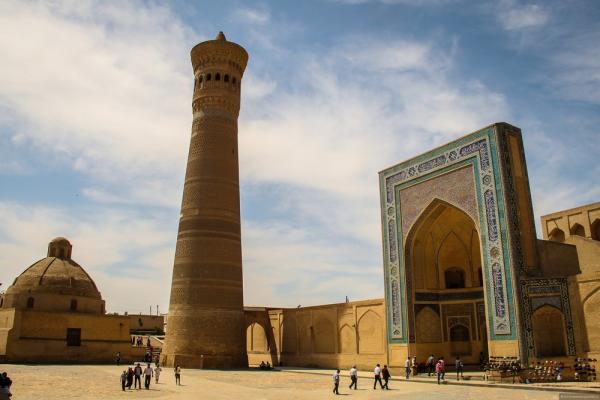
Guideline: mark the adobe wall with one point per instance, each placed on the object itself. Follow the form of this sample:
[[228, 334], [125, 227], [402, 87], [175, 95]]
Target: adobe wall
[[41, 337], [327, 336]]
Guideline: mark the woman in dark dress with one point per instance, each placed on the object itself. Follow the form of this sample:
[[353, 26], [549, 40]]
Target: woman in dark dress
[[129, 377]]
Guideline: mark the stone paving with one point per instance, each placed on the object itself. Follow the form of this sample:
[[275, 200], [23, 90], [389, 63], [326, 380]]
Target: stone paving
[[102, 382]]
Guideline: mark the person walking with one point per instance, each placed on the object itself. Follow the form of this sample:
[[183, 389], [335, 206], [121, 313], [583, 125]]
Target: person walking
[[407, 365], [336, 381], [440, 370], [458, 364], [385, 373], [377, 372], [178, 375], [415, 366], [137, 373], [430, 365], [353, 377], [157, 372], [148, 373], [118, 358], [129, 377], [123, 380]]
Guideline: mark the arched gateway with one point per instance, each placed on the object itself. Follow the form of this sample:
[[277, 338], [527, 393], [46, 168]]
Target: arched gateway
[[443, 261], [464, 271]]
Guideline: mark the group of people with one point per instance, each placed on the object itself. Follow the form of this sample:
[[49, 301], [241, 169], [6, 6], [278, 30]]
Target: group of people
[[5, 384], [139, 341], [133, 376], [439, 366], [265, 366], [382, 376]]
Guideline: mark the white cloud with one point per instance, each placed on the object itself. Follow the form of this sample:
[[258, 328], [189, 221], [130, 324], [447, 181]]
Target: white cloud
[[514, 16], [103, 85], [252, 16]]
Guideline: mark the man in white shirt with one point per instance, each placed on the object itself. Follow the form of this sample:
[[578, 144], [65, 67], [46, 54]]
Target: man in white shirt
[[148, 373], [336, 381], [377, 372], [407, 365], [353, 376]]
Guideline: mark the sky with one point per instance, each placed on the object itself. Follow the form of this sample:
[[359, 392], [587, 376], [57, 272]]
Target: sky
[[95, 120]]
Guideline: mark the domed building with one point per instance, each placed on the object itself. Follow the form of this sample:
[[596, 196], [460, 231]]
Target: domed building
[[55, 283], [54, 311]]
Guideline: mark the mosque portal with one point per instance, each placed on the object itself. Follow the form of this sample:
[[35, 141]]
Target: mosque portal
[[464, 271]]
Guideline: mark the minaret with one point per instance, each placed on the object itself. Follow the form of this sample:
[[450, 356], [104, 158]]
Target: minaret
[[205, 325]]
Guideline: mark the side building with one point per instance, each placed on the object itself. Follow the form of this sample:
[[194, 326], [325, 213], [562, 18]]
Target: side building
[[53, 312], [580, 227]]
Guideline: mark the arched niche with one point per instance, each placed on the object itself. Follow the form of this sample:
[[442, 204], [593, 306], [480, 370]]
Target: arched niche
[[549, 332], [324, 335], [370, 333], [256, 338], [460, 340], [347, 339], [591, 308], [454, 278], [557, 235], [596, 229], [577, 230], [443, 237]]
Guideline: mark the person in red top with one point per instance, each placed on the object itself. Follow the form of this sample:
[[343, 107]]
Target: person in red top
[[440, 370]]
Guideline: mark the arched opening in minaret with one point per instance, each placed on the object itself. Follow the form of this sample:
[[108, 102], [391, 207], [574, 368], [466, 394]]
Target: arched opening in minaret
[[445, 284]]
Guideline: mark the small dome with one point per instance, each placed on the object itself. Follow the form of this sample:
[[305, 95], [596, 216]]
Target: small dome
[[220, 36], [60, 247], [56, 274]]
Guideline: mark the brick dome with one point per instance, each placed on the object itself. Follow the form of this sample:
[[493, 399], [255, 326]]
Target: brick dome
[[52, 278]]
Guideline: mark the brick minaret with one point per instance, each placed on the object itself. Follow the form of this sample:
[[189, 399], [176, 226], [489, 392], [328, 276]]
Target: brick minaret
[[205, 325]]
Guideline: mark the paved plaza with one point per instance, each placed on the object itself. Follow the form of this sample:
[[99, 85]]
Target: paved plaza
[[102, 382]]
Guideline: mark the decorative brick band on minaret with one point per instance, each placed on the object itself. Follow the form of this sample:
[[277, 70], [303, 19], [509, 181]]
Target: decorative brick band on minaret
[[205, 326]]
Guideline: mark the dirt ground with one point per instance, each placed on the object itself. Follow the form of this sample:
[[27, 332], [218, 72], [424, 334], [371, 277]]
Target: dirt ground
[[103, 382]]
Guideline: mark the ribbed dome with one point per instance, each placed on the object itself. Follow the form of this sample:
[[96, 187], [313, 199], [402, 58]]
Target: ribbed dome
[[56, 274]]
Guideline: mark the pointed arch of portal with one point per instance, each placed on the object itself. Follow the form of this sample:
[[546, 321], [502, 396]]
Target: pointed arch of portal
[[443, 238]]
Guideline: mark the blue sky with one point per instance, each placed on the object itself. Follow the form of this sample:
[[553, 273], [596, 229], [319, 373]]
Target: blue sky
[[95, 119]]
